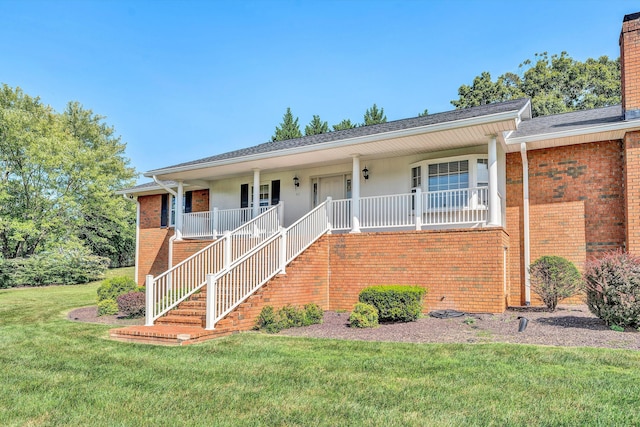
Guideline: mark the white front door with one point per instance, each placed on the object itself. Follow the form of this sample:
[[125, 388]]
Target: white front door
[[336, 186]]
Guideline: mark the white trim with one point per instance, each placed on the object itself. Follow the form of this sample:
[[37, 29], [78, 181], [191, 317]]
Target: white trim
[[450, 125], [473, 167], [574, 132]]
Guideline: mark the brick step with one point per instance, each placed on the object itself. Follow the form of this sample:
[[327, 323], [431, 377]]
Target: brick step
[[184, 311], [171, 319], [193, 304], [167, 334]]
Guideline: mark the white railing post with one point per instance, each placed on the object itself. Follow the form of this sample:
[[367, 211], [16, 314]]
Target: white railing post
[[227, 250], [214, 222], [212, 301], [417, 208], [281, 213], [283, 251], [149, 300], [329, 214]]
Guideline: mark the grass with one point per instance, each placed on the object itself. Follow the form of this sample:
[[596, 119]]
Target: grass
[[56, 372]]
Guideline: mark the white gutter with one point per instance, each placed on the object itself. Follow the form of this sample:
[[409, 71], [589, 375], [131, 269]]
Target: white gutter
[[161, 184], [473, 121], [526, 237], [135, 198]]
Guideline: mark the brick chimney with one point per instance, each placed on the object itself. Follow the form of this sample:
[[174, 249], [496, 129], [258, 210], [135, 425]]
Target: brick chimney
[[630, 66]]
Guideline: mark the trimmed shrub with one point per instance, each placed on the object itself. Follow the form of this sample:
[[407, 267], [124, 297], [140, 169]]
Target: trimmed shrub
[[131, 304], [287, 317], [554, 278], [312, 314], [107, 307], [116, 286], [363, 316], [395, 303], [613, 288], [62, 266]]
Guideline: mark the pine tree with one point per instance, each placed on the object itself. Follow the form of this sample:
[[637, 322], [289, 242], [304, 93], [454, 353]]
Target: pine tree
[[424, 113], [316, 126], [373, 116], [345, 124], [288, 129]]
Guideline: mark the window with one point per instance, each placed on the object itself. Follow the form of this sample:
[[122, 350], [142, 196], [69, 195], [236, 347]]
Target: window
[[168, 209], [483, 173], [416, 177], [269, 194], [449, 176]]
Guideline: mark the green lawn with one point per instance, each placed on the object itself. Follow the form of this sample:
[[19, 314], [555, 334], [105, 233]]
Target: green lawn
[[56, 372]]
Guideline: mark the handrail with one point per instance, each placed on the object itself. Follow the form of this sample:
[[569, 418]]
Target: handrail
[[170, 288], [230, 287]]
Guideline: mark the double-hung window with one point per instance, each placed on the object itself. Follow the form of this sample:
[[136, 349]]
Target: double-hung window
[[447, 179]]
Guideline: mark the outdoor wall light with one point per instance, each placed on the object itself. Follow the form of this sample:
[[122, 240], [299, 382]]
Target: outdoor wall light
[[296, 181], [365, 173]]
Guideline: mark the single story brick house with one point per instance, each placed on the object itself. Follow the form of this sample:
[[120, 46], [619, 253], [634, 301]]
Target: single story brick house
[[459, 202]]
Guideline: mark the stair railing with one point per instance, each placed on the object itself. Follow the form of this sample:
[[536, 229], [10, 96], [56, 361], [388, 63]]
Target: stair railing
[[170, 288], [230, 287]]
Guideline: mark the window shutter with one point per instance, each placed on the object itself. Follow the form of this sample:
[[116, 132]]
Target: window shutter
[[187, 201], [164, 211], [244, 196], [275, 192]]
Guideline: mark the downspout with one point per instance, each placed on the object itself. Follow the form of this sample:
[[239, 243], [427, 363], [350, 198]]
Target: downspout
[[172, 238], [525, 209], [135, 198]]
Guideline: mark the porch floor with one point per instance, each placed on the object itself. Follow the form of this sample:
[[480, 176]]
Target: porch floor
[[166, 334]]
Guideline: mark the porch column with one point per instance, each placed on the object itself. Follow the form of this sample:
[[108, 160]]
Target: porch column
[[179, 210], [256, 192], [494, 200], [355, 194]]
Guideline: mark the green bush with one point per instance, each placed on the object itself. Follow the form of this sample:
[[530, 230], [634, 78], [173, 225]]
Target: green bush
[[312, 314], [114, 287], [132, 304], [107, 307], [363, 316], [554, 278], [287, 317], [395, 303], [62, 266], [613, 288]]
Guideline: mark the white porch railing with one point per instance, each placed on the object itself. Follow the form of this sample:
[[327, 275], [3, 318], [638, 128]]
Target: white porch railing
[[230, 287], [216, 222], [433, 208], [176, 284]]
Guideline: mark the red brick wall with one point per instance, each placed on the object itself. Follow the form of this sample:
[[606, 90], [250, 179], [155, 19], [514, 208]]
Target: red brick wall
[[183, 249], [632, 185], [200, 201], [461, 269], [153, 257], [576, 204]]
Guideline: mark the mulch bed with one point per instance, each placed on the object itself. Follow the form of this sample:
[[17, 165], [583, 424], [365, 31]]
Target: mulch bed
[[90, 315], [570, 326]]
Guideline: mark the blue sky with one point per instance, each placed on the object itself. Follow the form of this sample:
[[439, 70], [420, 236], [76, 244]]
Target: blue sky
[[181, 80]]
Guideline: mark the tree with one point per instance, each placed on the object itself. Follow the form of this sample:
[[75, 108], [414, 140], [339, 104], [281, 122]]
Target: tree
[[345, 124], [59, 174], [424, 113], [316, 126], [373, 116], [288, 129], [555, 84]]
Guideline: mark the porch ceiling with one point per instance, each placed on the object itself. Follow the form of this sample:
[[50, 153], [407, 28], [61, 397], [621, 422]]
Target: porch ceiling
[[379, 146]]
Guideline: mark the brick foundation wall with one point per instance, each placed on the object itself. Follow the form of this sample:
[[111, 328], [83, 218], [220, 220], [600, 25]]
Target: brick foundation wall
[[183, 249], [461, 269], [576, 204]]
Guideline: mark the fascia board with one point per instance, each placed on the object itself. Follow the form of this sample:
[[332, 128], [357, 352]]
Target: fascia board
[[473, 121], [574, 132]]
